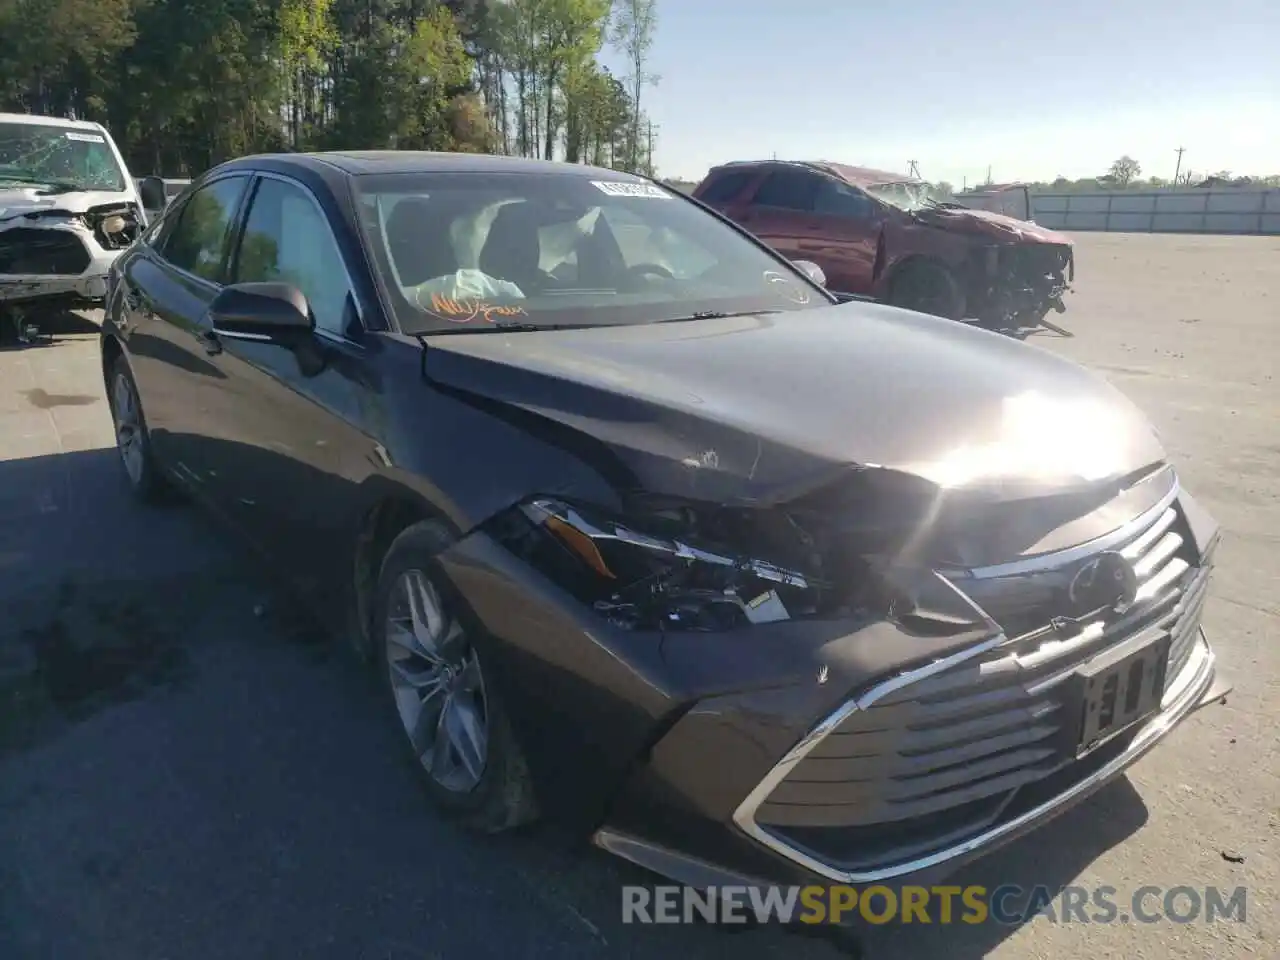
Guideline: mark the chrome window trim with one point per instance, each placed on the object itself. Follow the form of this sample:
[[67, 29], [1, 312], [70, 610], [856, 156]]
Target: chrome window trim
[[1181, 699], [1062, 558]]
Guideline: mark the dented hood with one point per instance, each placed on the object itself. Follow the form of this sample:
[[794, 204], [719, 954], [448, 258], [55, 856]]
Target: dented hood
[[996, 226], [762, 408], [18, 202]]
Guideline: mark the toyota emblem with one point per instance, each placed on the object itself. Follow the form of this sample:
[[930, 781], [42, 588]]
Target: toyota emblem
[[1105, 582]]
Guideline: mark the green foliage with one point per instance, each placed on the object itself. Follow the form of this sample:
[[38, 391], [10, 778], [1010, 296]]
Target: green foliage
[[186, 84]]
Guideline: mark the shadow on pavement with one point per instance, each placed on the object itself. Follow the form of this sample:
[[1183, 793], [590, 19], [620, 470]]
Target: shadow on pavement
[[181, 775]]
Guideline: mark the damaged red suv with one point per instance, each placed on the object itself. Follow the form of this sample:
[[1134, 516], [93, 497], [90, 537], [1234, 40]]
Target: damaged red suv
[[894, 238]]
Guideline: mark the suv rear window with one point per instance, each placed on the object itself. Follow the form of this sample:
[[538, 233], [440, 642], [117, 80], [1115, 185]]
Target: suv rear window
[[725, 186]]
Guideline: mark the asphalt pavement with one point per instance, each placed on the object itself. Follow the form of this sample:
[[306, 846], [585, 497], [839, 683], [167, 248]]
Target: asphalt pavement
[[189, 770]]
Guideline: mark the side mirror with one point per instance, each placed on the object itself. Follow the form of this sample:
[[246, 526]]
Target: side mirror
[[811, 270], [152, 193], [268, 312]]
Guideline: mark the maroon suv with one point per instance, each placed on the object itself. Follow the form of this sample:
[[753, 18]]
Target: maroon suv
[[894, 238]]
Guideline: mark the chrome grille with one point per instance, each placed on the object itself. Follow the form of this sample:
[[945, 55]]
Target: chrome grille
[[943, 756]]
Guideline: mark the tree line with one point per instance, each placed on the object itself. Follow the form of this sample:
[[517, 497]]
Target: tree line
[[186, 84]]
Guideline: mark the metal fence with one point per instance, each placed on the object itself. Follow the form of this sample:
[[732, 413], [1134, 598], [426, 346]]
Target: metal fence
[[1178, 210]]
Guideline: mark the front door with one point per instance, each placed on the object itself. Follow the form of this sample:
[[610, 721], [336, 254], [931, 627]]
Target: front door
[[844, 236], [305, 422]]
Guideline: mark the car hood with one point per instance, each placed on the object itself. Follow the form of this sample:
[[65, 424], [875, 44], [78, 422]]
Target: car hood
[[986, 223], [762, 408], [27, 201]]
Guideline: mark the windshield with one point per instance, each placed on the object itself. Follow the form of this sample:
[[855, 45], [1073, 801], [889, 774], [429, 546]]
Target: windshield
[[57, 157], [464, 252], [908, 194]]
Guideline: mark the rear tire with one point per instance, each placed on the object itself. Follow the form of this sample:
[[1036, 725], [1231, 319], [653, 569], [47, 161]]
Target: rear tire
[[440, 694], [927, 287]]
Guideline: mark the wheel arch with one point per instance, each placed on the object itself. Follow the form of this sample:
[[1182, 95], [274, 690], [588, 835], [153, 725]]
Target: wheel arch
[[912, 262], [389, 508], [111, 351], [917, 263]]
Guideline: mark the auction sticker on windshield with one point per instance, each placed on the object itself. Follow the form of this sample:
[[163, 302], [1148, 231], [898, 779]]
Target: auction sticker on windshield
[[616, 188], [86, 137]]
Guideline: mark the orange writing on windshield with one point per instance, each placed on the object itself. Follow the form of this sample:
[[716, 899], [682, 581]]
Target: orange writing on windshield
[[469, 309]]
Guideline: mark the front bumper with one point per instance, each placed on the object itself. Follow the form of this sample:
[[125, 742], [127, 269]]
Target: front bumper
[[1020, 283], [1199, 684], [87, 286], [88, 289], [852, 752]]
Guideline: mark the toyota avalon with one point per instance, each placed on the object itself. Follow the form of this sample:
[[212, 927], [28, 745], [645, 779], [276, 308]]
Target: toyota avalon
[[643, 528]]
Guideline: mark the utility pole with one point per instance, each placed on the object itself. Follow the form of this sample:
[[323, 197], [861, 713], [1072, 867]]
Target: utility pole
[[988, 174], [913, 169], [1178, 169]]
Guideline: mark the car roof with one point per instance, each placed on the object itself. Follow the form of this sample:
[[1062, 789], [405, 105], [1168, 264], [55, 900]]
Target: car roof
[[862, 176], [858, 176], [363, 162], [39, 120]]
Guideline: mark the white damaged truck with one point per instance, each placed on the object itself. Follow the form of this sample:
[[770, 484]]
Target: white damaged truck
[[68, 208]]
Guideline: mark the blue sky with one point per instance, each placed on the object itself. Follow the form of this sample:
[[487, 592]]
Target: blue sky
[[1033, 88]]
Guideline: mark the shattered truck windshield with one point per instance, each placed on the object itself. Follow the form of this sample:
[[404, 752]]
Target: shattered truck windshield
[[908, 194], [59, 158]]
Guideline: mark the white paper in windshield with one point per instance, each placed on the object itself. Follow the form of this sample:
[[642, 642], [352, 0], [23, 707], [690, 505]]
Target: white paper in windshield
[[86, 137], [617, 188]]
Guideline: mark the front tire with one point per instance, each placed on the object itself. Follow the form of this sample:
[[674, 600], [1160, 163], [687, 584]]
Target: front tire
[[931, 288], [439, 693], [133, 440]]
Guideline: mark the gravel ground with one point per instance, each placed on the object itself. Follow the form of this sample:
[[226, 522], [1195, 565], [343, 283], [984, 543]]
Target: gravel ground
[[188, 771]]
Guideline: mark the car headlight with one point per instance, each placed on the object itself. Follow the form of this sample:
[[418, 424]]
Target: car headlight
[[683, 567]]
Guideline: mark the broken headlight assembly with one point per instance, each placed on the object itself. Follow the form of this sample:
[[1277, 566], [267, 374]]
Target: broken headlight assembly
[[114, 226], [677, 566]]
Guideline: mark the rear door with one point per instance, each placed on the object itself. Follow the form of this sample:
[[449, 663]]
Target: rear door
[[165, 292], [727, 190]]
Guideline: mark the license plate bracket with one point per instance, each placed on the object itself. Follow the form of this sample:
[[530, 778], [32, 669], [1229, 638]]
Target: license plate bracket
[[1119, 688]]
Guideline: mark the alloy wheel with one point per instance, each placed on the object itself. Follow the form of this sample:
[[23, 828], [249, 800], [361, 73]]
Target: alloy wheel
[[130, 440], [437, 684]]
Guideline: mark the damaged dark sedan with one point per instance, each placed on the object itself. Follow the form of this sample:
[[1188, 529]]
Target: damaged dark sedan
[[643, 529]]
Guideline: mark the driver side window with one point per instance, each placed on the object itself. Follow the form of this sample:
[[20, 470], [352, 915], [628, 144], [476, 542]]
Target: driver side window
[[837, 199], [287, 238]]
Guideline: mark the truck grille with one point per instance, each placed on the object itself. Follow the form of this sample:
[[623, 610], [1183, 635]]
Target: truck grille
[[30, 250], [946, 756]]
